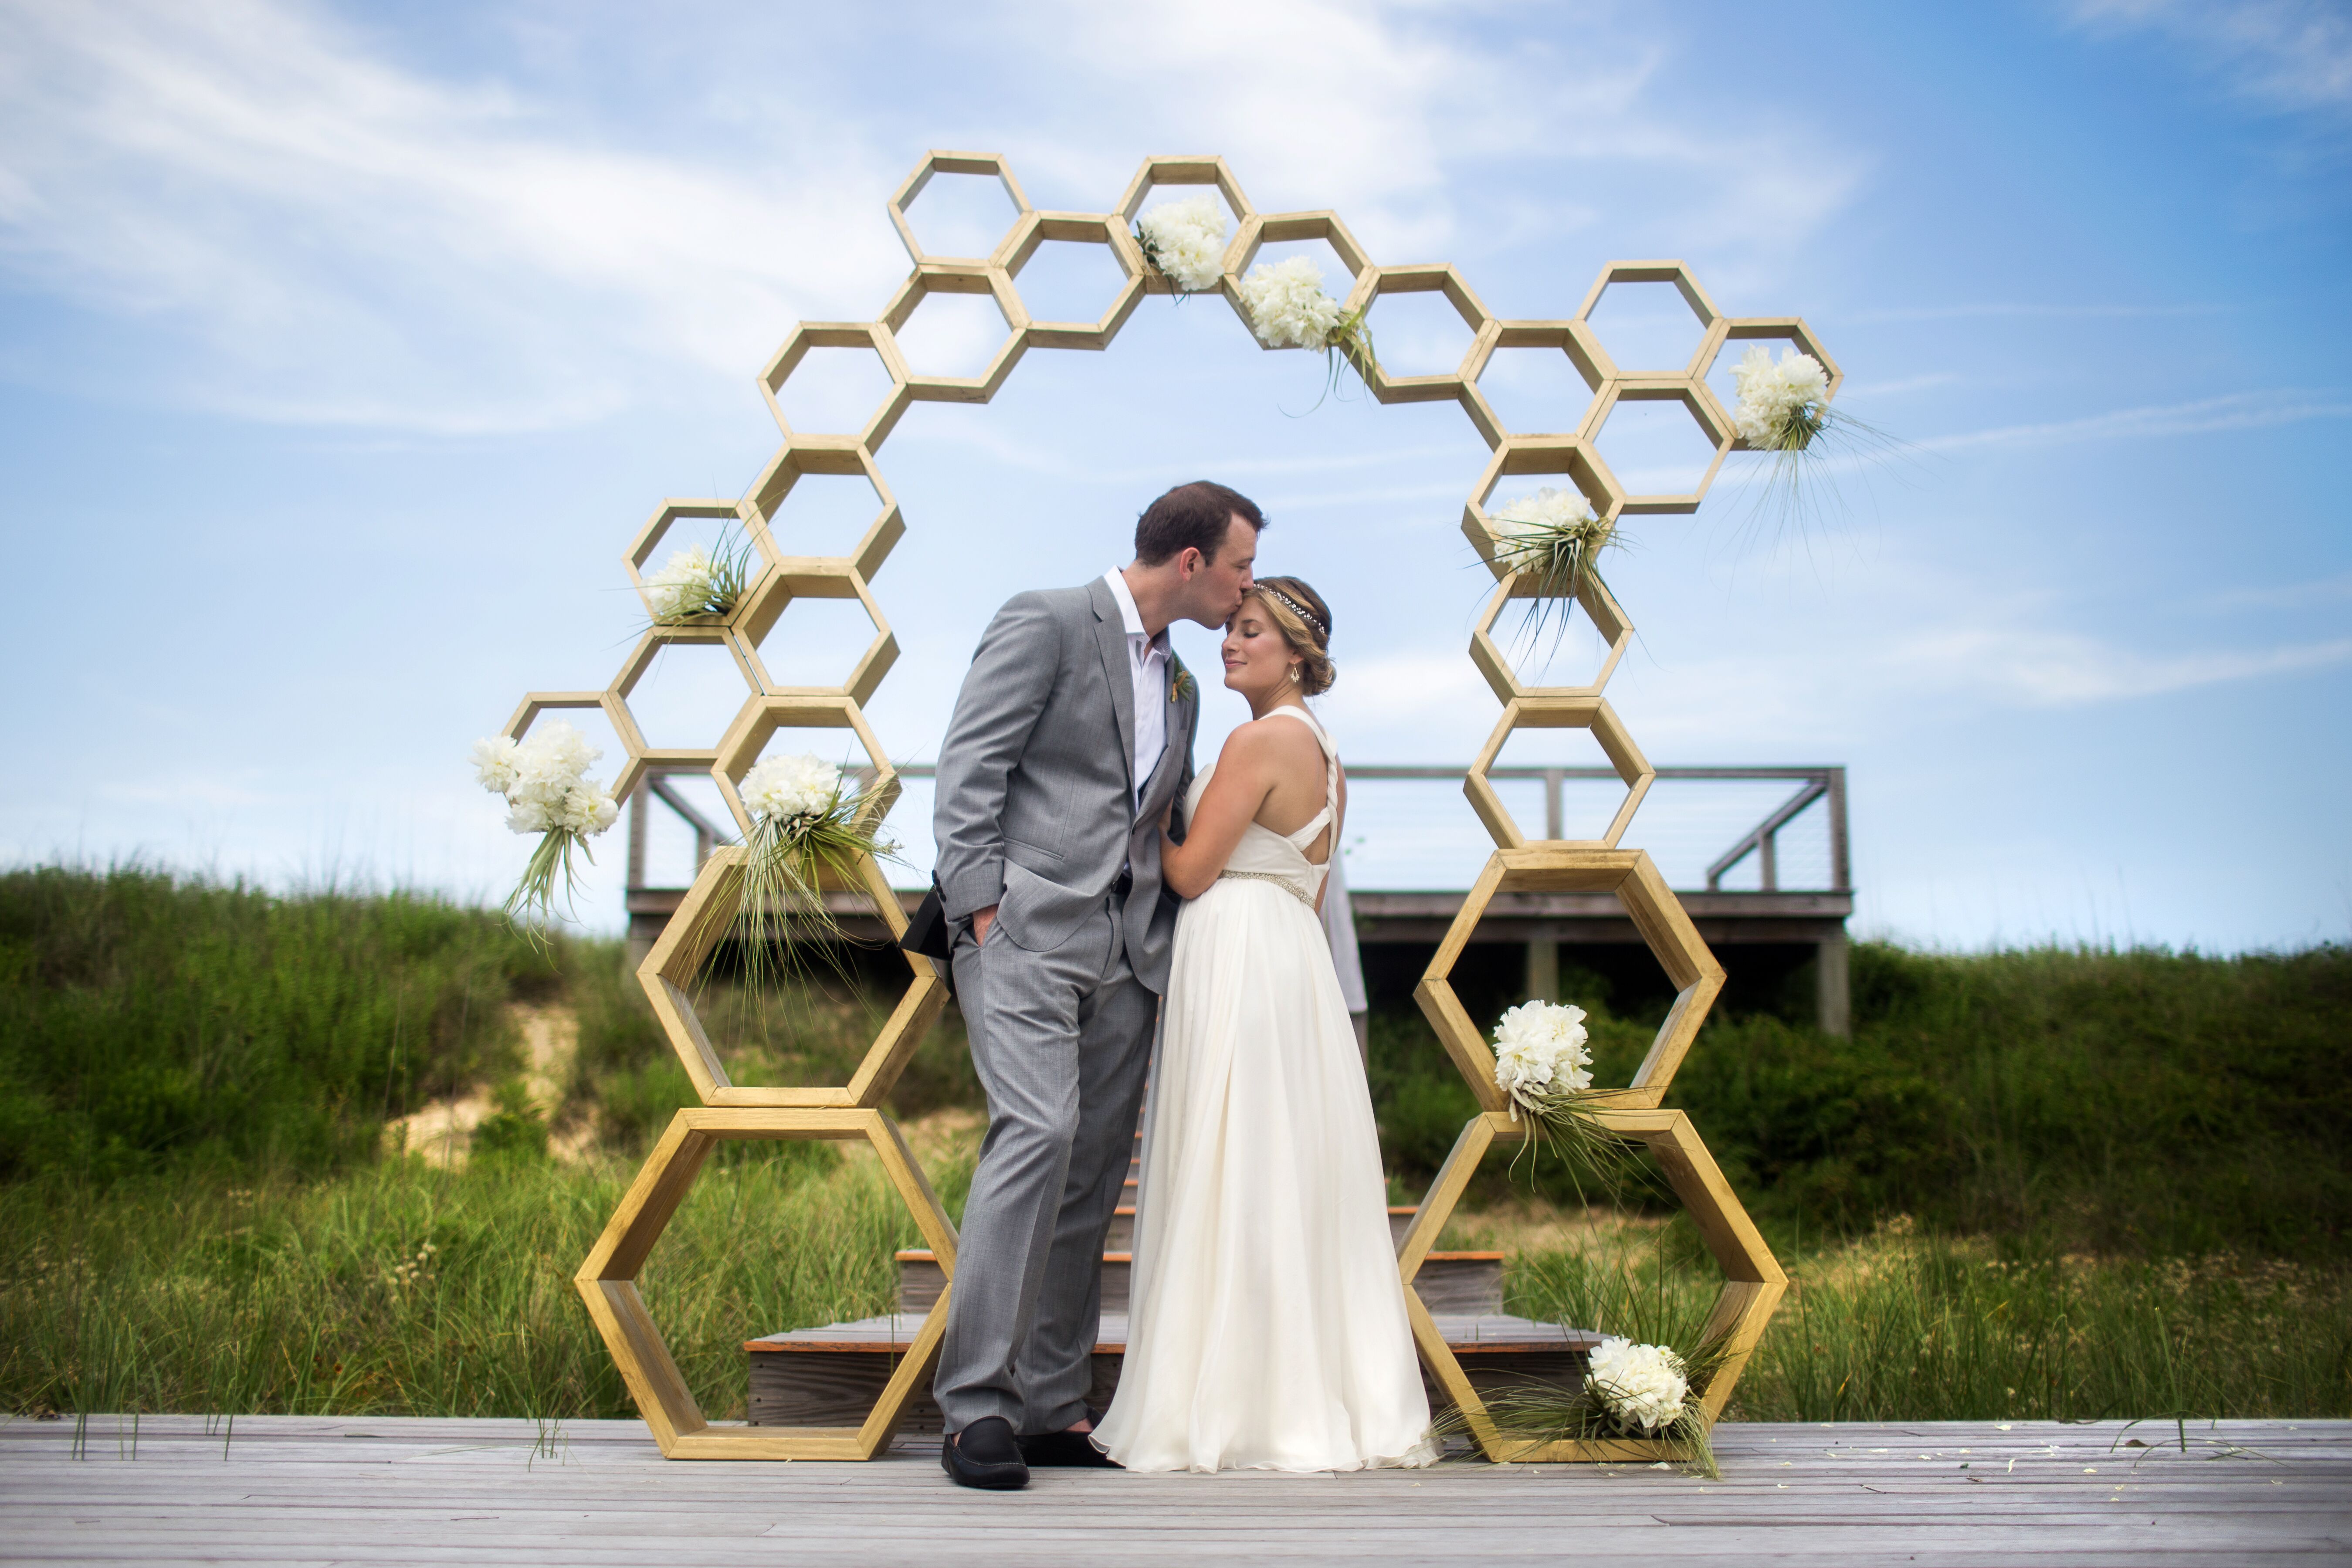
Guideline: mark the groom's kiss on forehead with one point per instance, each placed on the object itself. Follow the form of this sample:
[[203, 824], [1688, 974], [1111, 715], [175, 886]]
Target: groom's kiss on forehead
[[1194, 551]]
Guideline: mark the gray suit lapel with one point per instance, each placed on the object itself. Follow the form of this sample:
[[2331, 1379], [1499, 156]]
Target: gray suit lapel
[[1110, 637]]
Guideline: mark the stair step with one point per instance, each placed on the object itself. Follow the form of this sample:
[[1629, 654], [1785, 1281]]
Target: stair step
[[1468, 1284], [1123, 1226], [831, 1376]]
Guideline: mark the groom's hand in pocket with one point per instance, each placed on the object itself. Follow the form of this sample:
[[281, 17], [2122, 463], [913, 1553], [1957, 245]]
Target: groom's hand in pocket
[[981, 921]]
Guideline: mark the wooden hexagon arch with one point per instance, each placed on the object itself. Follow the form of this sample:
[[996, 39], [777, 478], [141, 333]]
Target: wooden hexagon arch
[[804, 1110], [702, 918], [1593, 595], [1753, 1282], [607, 1282], [1630, 876], [1589, 713]]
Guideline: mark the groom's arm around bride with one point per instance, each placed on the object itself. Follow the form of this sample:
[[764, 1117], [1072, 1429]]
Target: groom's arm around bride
[[1072, 736]]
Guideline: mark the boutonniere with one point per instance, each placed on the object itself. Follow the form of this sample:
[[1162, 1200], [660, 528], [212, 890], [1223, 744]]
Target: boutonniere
[[1180, 679]]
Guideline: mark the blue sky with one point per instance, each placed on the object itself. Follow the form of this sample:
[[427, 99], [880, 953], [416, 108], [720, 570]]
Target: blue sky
[[344, 350]]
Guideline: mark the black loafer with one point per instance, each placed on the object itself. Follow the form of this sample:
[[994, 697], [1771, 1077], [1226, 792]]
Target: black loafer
[[985, 1455], [1049, 1450]]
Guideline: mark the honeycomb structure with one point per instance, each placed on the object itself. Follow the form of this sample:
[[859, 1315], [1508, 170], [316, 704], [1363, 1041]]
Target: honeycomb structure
[[773, 699]]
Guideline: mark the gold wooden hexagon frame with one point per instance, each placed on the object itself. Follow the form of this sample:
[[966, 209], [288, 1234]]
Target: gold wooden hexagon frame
[[1705, 412], [624, 729], [1181, 170], [819, 710], [1536, 457], [1036, 229], [991, 280], [1630, 876], [951, 163], [1598, 603], [1672, 272], [1431, 278], [1753, 1280], [765, 605], [656, 529], [703, 631], [804, 1110], [702, 920], [607, 1283], [1585, 356], [806, 336], [1580, 713], [1257, 231], [803, 457], [1758, 329]]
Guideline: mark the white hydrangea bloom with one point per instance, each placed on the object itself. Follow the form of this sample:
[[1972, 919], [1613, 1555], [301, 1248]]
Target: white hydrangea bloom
[[494, 762], [783, 788], [545, 780], [1547, 512], [1539, 1049], [682, 584], [1644, 1385], [1772, 398], [1188, 240], [1289, 307]]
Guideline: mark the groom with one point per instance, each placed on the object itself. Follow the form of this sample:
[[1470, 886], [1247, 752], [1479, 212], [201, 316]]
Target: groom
[[1072, 736]]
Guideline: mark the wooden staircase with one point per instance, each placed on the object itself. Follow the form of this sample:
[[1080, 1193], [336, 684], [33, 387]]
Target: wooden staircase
[[831, 1376]]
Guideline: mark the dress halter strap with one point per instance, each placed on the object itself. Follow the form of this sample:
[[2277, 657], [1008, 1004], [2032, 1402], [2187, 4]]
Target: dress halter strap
[[1321, 819]]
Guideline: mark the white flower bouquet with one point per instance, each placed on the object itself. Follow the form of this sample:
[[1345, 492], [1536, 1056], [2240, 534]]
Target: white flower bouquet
[[699, 580], [1553, 536], [1784, 408], [809, 829], [1185, 243], [1629, 1391], [1543, 1070], [1290, 309], [544, 780]]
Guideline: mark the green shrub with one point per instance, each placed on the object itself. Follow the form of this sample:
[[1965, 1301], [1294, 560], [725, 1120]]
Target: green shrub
[[149, 1021]]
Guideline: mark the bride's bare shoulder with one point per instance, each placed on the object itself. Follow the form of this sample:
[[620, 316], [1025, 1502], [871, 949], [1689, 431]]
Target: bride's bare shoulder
[[1270, 742]]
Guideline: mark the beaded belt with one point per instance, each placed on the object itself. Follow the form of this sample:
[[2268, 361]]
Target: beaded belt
[[1285, 883]]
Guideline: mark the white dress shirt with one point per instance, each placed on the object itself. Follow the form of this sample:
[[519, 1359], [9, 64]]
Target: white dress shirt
[[1147, 661]]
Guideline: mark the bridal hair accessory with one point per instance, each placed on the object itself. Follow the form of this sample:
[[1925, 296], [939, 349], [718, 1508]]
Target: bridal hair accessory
[[1301, 611], [807, 830], [544, 780], [1185, 243]]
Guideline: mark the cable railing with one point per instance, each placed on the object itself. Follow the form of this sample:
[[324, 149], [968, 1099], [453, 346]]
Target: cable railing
[[1818, 802]]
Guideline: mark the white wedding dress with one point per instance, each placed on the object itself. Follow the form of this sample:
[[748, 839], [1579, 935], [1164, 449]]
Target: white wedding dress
[[1267, 1326]]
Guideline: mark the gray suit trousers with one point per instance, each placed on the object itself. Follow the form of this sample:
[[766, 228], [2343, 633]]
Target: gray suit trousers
[[1062, 1041]]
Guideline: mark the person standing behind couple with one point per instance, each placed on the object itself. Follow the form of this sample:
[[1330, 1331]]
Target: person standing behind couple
[[1071, 741]]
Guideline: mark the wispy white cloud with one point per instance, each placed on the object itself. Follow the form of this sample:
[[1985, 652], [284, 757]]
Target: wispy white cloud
[[2237, 411], [351, 242], [2062, 669], [2285, 54], [2285, 596]]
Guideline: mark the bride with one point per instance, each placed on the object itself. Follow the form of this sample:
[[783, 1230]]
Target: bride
[[1267, 1327]]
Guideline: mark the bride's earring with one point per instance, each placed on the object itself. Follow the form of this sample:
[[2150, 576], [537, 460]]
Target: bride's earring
[[1294, 673]]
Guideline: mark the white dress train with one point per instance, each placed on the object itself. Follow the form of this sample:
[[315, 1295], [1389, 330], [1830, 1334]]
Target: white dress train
[[1267, 1326]]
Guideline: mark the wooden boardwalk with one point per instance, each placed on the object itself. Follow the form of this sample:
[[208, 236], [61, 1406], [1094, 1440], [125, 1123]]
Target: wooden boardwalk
[[294, 1490]]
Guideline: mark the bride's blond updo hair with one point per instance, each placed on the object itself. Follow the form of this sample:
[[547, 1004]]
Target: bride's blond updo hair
[[1305, 622]]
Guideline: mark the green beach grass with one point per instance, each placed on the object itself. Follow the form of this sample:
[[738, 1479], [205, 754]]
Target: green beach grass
[[2038, 1183]]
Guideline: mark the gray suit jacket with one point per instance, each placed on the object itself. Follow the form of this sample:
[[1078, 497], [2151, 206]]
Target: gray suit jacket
[[1035, 811]]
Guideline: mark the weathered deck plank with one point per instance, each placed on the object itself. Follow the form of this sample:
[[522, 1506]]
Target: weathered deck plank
[[302, 1490]]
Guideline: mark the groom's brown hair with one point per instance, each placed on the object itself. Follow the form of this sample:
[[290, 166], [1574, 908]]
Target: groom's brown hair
[[1192, 517]]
